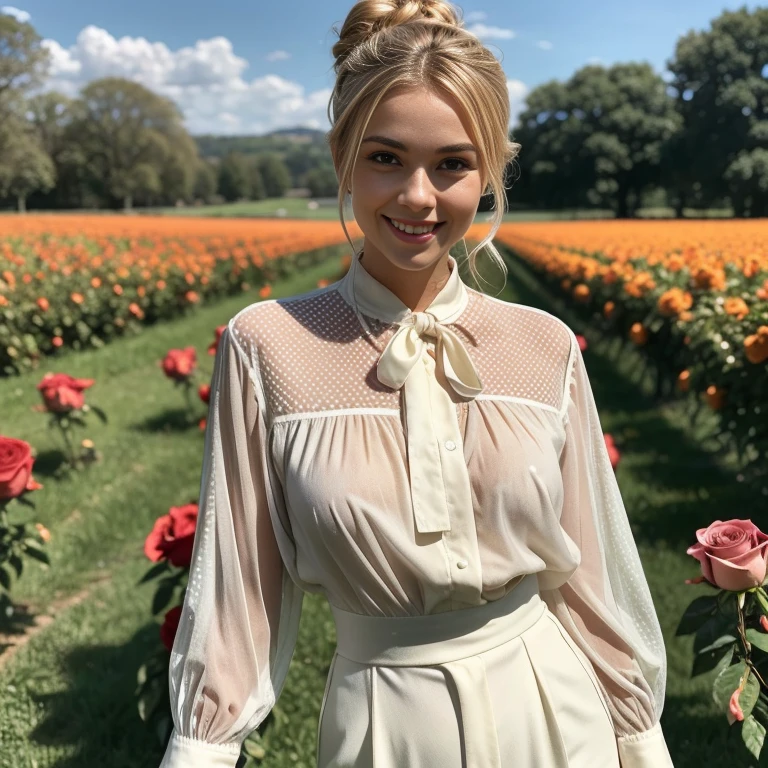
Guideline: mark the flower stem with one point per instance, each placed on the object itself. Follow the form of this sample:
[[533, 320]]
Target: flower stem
[[747, 645]]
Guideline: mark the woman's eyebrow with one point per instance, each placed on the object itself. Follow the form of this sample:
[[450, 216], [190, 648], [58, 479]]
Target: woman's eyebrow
[[399, 145]]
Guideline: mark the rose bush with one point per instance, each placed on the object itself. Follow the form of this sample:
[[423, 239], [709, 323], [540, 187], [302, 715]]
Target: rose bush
[[64, 399], [731, 626]]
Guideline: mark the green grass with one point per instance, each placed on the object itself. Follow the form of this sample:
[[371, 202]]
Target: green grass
[[328, 210], [67, 696]]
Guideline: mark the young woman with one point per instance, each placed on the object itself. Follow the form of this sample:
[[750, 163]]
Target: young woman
[[427, 457]]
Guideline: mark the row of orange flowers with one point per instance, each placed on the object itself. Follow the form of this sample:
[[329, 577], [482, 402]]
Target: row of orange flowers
[[78, 281], [706, 278]]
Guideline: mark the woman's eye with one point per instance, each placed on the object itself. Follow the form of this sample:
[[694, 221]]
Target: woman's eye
[[462, 164], [380, 154], [457, 160]]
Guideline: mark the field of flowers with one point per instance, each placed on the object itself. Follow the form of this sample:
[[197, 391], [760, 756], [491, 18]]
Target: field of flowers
[[97, 533], [75, 282], [692, 294]]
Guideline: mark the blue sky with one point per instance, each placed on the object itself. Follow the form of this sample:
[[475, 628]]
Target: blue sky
[[237, 67]]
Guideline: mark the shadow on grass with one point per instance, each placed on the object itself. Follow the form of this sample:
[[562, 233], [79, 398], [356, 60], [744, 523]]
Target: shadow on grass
[[172, 420], [49, 463], [96, 711]]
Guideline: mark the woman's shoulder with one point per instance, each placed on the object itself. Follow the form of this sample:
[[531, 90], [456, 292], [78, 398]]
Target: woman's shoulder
[[273, 320], [517, 325]]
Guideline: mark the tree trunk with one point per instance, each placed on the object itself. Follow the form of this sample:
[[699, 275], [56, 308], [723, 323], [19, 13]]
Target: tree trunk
[[680, 205], [22, 202], [127, 202]]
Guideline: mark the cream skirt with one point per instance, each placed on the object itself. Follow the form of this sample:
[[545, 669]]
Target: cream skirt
[[501, 685]]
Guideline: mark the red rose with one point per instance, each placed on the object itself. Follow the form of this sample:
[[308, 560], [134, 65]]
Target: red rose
[[179, 363], [613, 451], [215, 344], [173, 536], [16, 468], [170, 626], [205, 392], [61, 393]]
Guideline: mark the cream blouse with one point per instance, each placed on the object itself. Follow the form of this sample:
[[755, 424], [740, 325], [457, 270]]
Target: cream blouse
[[402, 464]]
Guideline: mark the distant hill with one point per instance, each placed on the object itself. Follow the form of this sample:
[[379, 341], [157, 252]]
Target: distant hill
[[303, 150], [281, 142]]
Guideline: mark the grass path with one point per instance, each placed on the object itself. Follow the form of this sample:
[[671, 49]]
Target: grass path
[[67, 695]]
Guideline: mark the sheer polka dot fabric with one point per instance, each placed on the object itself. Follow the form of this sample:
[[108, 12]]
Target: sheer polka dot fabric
[[314, 356]]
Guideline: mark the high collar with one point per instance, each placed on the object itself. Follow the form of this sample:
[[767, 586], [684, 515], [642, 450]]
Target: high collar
[[376, 300]]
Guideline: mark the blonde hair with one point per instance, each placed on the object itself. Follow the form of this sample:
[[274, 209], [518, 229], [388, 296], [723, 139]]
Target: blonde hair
[[387, 44]]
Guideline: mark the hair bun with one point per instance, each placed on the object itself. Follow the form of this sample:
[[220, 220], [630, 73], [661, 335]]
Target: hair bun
[[369, 16]]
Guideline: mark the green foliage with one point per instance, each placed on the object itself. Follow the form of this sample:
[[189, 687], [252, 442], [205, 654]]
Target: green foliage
[[234, 178]]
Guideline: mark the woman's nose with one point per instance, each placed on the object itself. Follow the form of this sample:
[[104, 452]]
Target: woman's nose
[[418, 191]]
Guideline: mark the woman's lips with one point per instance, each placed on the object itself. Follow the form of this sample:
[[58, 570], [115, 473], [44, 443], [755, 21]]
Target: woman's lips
[[412, 238]]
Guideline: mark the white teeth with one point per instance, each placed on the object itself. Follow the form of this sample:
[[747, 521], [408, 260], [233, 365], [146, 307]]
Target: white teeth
[[412, 230]]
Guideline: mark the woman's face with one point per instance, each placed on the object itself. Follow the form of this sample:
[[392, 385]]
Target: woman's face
[[418, 181]]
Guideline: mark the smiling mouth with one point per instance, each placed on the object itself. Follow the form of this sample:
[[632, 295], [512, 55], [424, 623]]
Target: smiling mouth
[[435, 225]]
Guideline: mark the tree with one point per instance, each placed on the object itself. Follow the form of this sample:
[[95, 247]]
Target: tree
[[206, 181], [322, 182], [722, 97], [234, 181], [598, 138], [275, 174], [134, 138], [256, 184], [24, 166], [24, 64], [53, 118]]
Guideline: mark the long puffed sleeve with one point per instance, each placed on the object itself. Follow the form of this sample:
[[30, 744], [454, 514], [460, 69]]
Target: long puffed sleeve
[[606, 605], [239, 623]]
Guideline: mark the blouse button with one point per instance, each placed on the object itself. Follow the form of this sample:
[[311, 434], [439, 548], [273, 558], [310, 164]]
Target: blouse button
[[462, 564], [450, 445]]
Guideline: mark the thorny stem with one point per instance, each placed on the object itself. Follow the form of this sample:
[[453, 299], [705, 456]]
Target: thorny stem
[[747, 645]]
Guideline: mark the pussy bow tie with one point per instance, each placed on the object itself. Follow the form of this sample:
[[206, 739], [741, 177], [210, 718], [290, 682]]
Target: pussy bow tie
[[432, 428], [406, 348]]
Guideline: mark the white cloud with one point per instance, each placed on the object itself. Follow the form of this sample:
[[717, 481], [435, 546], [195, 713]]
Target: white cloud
[[475, 16], [20, 16], [277, 56], [545, 45], [491, 33], [206, 81], [517, 90]]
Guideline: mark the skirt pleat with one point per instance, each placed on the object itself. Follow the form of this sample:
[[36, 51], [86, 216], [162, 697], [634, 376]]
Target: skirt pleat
[[529, 701]]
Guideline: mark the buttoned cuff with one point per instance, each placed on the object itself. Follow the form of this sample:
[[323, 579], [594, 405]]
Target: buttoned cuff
[[644, 750], [183, 752]]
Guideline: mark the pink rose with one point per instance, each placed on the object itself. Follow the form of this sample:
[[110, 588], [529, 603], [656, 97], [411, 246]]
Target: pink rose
[[734, 708], [733, 554]]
